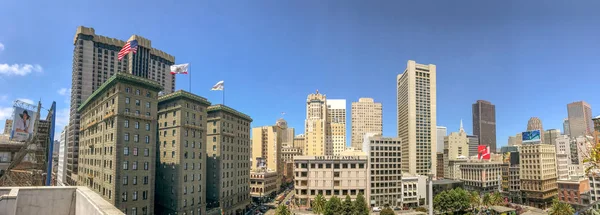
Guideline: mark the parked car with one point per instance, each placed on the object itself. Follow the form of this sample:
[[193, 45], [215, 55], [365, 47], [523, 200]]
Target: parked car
[[376, 209], [397, 208]]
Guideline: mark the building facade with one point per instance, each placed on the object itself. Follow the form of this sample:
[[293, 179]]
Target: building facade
[[440, 165], [442, 132], [263, 184], [8, 126], [473, 144], [481, 176], [228, 159], [287, 133], [385, 171], [562, 166], [329, 176], [299, 141], [266, 150], [580, 119], [550, 136], [336, 116], [367, 117], [61, 172], [574, 190], [288, 153], [316, 126], [416, 100], [484, 123], [538, 174], [95, 60], [181, 163], [456, 145], [118, 142]]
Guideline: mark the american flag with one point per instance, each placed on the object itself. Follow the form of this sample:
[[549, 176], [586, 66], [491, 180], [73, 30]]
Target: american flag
[[130, 46]]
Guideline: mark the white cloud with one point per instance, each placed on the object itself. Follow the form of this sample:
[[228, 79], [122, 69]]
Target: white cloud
[[64, 92], [29, 101], [5, 113], [19, 69], [1, 47]]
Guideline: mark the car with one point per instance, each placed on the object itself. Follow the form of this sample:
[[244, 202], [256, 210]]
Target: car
[[397, 208], [309, 209], [376, 209]]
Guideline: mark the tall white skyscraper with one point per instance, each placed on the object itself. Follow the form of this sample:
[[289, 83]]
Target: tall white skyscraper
[[336, 113], [441, 133], [417, 118]]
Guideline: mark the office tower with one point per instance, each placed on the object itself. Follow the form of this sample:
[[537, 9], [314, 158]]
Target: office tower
[[473, 144], [367, 117], [456, 147], [535, 123], [336, 113], [266, 150], [512, 140], [484, 123], [61, 172], [181, 162], [316, 126], [550, 136], [563, 146], [228, 159], [94, 62], [538, 177], [440, 165], [442, 132], [118, 142], [562, 166], [287, 133], [581, 147], [481, 176], [566, 130], [580, 119], [385, 155], [596, 135], [416, 100], [8, 126], [299, 141]]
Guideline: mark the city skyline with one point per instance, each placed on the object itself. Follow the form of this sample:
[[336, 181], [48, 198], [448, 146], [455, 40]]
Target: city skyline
[[529, 67]]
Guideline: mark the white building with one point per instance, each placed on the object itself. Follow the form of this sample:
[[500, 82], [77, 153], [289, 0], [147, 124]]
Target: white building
[[61, 173], [336, 111], [441, 133]]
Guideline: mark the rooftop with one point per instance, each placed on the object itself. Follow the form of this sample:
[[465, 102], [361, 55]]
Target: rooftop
[[221, 107], [121, 77], [181, 94]]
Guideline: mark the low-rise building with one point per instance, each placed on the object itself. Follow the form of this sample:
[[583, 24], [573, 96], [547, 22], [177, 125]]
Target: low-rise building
[[288, 153], [263, 184], [594, 180], [574, 190], [452, 171], [413, 190], [482, 176], [330, 176]]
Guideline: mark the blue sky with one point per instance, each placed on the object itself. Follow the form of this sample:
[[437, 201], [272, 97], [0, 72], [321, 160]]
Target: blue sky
[[529, 58]]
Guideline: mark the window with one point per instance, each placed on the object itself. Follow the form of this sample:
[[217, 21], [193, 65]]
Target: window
[[124, 196], [134, 165], [134, 196], [146, 152], [125, 179], [134, 180], [135, 151], [147, 139], [137, 92], [137, 102], [147, 126], [174, 113], [125, 165], [127, 90], [126, 110], [137, 125], [134, 209], [173, 143], [126, 100], [146, 166], [173, 154], [174, 132], [126, 137], [145, 179], [144, 194], [136, 138], [125, 150], [147, 104], [126, 124]]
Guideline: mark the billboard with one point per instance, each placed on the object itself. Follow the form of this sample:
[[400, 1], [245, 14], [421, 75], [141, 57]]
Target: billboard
[[506, 157], [260, 163], [23, 123], [531, 136], [483, 152]]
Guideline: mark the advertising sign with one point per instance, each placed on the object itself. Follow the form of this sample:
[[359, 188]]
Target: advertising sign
[[531, 136], [260, 162], [23, 123], [483, 152]]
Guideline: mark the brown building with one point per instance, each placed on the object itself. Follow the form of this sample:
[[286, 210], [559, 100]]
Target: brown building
[[181, 166], [228, 159], [574, 191], [118, 142], [299, 141], [484, 123], [288, 172], [580, 119], [596, 135], [440, 165]]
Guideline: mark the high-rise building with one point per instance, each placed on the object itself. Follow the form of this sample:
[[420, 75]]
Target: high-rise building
[[8, 126], [181, 163], [562, 166], [367, 117], [457, 144], [581, 147], [550, 136], [61, 172], [473, 144], [535, 123], [442, 132], [566, 130], [484, 123], [95, 60], [538, 174], [287, 133], [580, 119], [266, 148], [228, 159], [316, 126], [563, 146], [440, 165], [385, 155], [336, 113], [118, 142], [299, 141], [596, 135], [417, 128]]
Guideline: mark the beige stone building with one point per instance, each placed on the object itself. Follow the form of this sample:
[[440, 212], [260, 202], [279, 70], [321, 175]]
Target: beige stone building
[[263, 184], [228, 159], [456, 147], [330, 175], [417, 117], [181, 163], [316, 126], [287, 133], [580, 119], [482, 176], [266, 150], [385, 172], [94, 62], [118, 142], [336, 115], [8, 126], [299, 141], [538, 174], [288, 153], [367, 117]]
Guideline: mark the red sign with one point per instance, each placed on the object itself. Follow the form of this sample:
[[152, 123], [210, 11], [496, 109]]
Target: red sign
[[483, 152]]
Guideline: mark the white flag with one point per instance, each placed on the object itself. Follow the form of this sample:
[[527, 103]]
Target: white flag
[[219, 86], [180, 68]]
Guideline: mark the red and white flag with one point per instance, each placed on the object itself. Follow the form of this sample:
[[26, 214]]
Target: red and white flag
[[180, 68]]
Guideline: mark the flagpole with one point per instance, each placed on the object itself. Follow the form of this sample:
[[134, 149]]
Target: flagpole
[[223, 94], [190, 72]]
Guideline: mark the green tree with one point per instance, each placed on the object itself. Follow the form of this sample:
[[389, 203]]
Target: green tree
[[360, 205], [497, 199], [441, 202], [347, 206], [282, 210], [387, 211], [474, 200], [561, 208], [318, 204], [487, 199], [333, 206], [421, 209]]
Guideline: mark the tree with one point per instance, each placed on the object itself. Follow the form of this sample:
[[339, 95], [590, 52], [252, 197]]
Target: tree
[[421, 209], [347, 206], [474, 200], [441, 202], [561, 208], [487, 200], [387, 211], [318, 204], [360, 205], [333, 206], [497, 199], [282, 210]]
